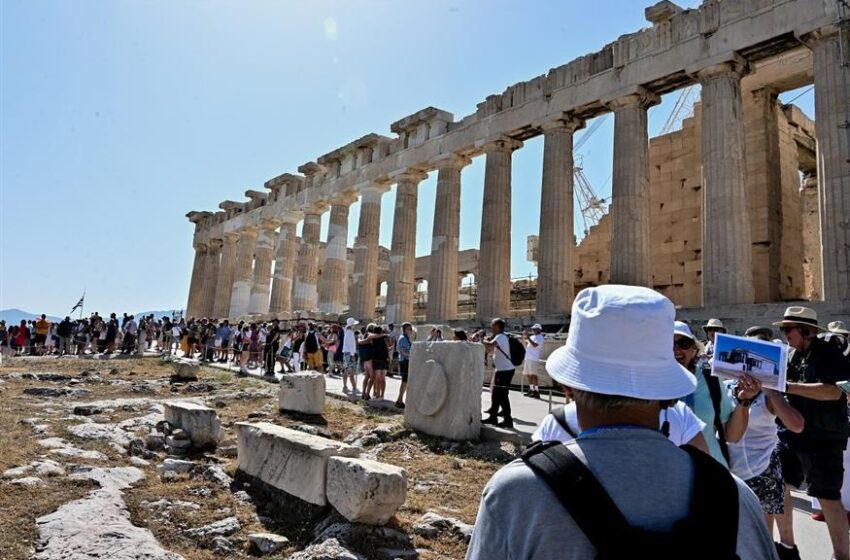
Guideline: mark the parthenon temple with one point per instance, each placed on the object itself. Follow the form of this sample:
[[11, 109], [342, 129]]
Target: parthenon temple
[[749, 202]]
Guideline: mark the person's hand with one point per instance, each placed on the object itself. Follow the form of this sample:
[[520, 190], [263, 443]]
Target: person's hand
[[748, 387]]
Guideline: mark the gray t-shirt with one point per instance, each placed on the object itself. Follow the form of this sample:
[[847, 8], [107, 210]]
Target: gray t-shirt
[[648, 478]]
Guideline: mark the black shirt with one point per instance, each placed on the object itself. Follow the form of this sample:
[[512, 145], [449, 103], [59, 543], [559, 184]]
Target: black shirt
[[821, 363]]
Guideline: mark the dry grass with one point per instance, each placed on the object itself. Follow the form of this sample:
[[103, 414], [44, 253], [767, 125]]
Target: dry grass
[[446, 480]]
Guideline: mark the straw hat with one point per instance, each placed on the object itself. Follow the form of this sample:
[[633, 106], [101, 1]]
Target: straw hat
[[798, 315], [619, 344], [714, 324], [838, 327]]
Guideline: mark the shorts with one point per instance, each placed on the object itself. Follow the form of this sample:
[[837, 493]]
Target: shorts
[[349, 362], [39, 339], [314, 359], [820, 464], [224, 344], [768, 486], [531, 367], [403, 368], [379, 365]]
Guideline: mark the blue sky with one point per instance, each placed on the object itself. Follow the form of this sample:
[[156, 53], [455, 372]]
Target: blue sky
[[118, 117]]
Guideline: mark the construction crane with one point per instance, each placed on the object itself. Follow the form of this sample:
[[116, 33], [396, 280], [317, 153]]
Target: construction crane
[[682, 109], [591, 206]]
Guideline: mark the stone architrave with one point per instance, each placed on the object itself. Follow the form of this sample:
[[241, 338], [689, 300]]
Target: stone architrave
[[302, 392], [557, 239], [365, 491], [442, 284], [332, 286], [196, 284], [261, 286], [226, 271], [243, 276], [401, 286], [494, 282], [200, 422], [284, 265], [211, 267], [289, 460], [832, 115], [305, 294], [630, 189], [727, 269], [444, 389], [364, 284]]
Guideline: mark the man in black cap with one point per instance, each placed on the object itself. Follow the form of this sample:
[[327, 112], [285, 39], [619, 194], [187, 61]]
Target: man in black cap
[[816, 454]]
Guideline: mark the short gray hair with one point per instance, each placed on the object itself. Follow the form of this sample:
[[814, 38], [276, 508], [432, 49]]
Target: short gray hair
[[599, 401]]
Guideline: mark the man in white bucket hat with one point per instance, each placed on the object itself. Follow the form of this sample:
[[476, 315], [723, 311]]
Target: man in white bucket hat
[[815, 455], [584, 499]]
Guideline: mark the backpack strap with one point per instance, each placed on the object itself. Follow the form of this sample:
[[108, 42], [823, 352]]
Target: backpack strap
[[560, 416], [714, 503], [576, 487], [715, 392]]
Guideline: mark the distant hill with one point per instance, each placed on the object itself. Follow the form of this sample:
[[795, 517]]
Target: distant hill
[[158, 314], [15, 316]]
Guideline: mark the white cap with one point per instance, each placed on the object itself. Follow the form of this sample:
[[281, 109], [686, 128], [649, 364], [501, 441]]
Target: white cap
[[537, 327], [683, 329], [619, 344], [351, 321]]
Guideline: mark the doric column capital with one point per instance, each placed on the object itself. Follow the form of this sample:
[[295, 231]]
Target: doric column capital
[[345, 198], [451, 161], [499, 143], [270, 224], [290, 217], [409, 175], [248, 230], [231, 237], [723, 65], [373, 188], [564, 121], [636, 96], [201, 246], [316, 208]]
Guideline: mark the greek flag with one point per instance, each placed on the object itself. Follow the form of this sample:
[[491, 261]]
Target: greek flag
[[79, 303]]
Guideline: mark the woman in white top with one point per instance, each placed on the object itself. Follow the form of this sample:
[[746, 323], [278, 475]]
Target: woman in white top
[[677, 422]]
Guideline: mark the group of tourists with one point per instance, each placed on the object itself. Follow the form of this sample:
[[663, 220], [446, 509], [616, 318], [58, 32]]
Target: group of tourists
[[604, 481]]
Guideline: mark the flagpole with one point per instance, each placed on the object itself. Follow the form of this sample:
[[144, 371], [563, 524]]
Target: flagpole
[[82, 304]]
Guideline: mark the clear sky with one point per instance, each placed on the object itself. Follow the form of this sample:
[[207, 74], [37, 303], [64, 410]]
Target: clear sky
[[118, 117]]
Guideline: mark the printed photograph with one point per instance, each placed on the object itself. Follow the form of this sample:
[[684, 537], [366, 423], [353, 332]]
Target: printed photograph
[[736, 355]]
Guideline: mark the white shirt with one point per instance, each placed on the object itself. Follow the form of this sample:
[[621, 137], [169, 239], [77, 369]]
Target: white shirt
[[532, 353], [684, 424], [501, 358], [750, 456], [349, 342]]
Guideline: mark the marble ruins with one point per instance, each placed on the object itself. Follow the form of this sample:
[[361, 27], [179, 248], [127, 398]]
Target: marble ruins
[[712, 215]]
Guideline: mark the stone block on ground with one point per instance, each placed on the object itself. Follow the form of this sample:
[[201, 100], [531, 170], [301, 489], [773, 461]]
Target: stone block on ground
[[200, 422], [302, 392], [365, 491], [288, 460], [185, 370], [444, 389], [267, 543]]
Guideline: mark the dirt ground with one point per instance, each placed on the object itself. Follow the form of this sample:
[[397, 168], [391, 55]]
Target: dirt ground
[[443, 477]]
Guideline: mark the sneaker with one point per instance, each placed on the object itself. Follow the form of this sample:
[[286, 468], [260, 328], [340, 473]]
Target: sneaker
[[493, 420], [786, 553], [399, 405], [534, 394], [506, 423]]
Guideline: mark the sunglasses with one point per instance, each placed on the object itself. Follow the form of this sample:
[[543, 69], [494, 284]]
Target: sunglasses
[[684, 343], [786, 330]]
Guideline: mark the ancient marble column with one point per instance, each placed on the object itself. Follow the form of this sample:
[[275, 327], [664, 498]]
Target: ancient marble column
[[196, 284], [364, 285], [305, 294], [727, 270], [332, 286], [259, 303], [494, 257], [284, 265], [630, 190], [832, 115], [226, 271], [442, 284], [401, 286], [557, 238], [206, 305], [243, 276]]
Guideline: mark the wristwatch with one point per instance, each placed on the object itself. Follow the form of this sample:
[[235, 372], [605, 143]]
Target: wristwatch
[[747, 402]]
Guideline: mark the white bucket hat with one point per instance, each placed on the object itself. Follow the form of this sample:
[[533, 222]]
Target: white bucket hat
[[536, 327], [715, 324], [838, 327], [619, 344], [351, 321], [683, 329]]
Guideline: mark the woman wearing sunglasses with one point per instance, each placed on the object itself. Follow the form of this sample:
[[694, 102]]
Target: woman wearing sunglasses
[[710, 402]]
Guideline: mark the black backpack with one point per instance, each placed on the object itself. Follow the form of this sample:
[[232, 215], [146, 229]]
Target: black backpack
[[714, 504], [516, 349]]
